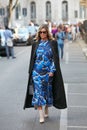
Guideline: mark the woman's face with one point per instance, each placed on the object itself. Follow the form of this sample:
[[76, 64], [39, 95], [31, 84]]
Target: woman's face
[[43, 34]]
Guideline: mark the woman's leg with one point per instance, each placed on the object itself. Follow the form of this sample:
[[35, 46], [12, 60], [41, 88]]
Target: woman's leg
[[62, 50], [46, 111], [12, 52], [40, 108], [7, 51]]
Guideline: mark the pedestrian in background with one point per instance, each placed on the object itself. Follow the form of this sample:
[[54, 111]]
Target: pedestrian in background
[[45, 77], [69, 35], [8, 42], [73, 29], [54, 29], [60, 36]]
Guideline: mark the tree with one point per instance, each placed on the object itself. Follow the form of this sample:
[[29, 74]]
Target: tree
[[11, 7]]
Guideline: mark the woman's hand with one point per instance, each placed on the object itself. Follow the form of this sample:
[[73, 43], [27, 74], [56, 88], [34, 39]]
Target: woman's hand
[[51, 74]]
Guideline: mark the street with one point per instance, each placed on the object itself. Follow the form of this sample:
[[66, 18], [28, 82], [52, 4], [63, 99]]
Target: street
[[13, 84]]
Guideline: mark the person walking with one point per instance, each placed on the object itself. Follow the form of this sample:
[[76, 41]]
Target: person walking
[[45, 83], [73, 28], [60, 41], [54, 30], [9, 43]]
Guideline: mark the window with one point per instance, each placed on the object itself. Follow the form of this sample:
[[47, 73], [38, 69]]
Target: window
[[65, 10], [2, 11], [76, 14], [33, 10], [18, 12], [48, 11], [82, 12], [24, 12]]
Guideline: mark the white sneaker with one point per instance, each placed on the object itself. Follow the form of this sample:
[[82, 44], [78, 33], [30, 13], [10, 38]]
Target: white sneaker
[[41, 116]]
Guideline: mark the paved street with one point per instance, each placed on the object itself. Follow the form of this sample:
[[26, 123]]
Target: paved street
[[13, 83]]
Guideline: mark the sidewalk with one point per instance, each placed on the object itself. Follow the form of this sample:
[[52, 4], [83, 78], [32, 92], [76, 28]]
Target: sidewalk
[[83, 46]]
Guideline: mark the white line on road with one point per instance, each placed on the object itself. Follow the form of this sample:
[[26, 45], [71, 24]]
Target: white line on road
[[63, 117], [81, 94], [80, 127], [78, 107], [67, 58]]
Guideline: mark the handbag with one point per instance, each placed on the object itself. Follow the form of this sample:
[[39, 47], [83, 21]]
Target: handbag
[[9, 42]]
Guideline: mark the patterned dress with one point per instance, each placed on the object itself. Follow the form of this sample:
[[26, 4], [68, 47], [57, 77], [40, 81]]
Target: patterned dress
[[42, 82]]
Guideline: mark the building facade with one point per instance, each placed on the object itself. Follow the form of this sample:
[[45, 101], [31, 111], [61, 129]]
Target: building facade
[[39, 11]]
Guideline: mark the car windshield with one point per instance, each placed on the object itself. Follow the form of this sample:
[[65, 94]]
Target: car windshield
[[22, 30], [31, 29]]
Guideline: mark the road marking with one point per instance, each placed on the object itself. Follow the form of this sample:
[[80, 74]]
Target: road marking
[[80, 127], [81, 94], [67, 58], [78, 107], [63, 116]]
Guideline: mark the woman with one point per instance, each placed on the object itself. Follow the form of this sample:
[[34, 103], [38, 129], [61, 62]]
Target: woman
[[54, 30], [45, 75]]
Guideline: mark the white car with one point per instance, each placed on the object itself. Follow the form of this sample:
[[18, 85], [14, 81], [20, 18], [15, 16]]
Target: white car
[[21, 36], [2, 43], [2, 37]]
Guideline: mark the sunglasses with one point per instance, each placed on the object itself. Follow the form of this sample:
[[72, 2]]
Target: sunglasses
[[44, 32]]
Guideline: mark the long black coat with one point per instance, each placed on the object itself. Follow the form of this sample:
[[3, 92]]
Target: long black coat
[[59, 99]]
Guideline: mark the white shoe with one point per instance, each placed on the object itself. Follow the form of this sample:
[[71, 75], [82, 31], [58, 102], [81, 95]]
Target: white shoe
[[41, 116]]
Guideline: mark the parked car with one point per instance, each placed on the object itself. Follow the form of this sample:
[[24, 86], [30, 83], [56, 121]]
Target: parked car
[[2, 51], [2, 43], [32, 30], [21, 36], [2, 37]]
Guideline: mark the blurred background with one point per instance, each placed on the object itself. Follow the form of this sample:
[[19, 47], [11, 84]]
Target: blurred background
[[21, 12]]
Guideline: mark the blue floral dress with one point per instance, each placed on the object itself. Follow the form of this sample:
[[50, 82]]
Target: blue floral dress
[[42, 82]]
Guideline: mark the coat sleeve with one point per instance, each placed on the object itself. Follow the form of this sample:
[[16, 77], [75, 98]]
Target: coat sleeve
[[31, 57], [59, 98], [55, 50]]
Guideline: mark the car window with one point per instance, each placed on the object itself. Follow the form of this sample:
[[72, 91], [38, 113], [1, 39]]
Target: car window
[[32, 29]]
